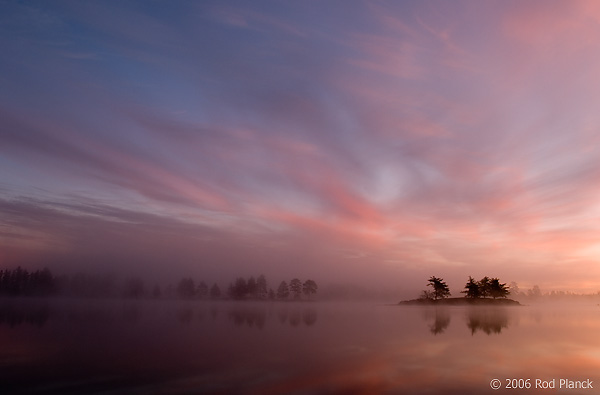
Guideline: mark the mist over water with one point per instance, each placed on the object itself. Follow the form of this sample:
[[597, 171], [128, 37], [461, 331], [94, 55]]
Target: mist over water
[[187, 186], [179, 347]]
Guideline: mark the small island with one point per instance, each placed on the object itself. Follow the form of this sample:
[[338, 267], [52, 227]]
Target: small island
[[485, 292]]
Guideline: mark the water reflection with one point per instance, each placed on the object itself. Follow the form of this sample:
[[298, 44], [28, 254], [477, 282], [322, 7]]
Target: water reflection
[[249, 317], [309, 317], [13, 315], [489, 321], [440, 318], [485, 320], [282, 315], [185, 315], [273, 348], [293, 317], [17, 312]]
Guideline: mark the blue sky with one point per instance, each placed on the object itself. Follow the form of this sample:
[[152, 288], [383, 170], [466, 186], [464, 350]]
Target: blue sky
[[372, 141]]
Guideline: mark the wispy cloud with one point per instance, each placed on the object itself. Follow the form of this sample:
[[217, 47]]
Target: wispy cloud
[[413, 136]]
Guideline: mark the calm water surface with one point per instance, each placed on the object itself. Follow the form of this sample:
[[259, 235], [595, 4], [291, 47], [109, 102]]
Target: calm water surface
[[168, 347]]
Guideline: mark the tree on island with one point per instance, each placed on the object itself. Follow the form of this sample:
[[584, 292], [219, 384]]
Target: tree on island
[[472, 289], [440, 288], [485, 287], [498, 290], [426, 295]]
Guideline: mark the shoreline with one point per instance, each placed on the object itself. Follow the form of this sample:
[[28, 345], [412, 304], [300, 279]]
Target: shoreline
[[460, 302]]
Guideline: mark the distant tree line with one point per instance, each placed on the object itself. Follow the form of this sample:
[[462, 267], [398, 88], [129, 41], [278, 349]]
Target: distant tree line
[[21, 282], [253, 288], [188, 289], [257, 289], [296, 289]]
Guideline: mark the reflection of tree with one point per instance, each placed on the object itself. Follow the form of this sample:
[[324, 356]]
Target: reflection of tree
[[13, 315], [295, 318], [201, 315], [488, 321], [309, 316], [441, 320], [282, 315], [185, 315], [261, 318], [249, 317], [286, 316]]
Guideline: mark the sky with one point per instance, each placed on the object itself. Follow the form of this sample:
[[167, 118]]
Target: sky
[[346, 141]]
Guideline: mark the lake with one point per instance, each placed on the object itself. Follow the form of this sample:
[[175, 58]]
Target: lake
[[176, 347]]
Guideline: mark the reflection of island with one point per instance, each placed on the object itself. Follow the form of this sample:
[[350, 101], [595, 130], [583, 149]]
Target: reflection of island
[[488, 321], [440, 318]]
